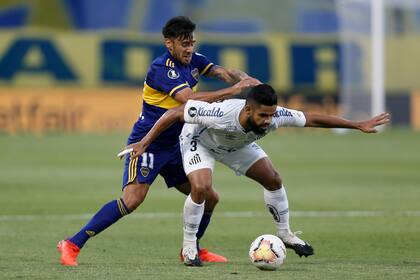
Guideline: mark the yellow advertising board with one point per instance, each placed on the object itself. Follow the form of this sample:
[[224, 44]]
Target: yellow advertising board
[[68, 110], [288, 62]]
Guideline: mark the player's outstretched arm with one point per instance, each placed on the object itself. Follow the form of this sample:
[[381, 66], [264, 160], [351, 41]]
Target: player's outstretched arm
[[211, 96], [227, 75], [367, 126], [166, 120]]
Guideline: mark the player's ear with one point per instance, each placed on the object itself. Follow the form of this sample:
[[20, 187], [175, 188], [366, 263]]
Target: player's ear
[[169, 44], [248, 110]]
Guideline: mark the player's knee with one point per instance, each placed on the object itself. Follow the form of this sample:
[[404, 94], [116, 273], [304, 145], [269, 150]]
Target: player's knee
[[201, 190], [273, 182], [134, 195], [212, 198]]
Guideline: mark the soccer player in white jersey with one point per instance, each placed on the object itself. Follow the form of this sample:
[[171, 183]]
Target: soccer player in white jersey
[[226, 132]]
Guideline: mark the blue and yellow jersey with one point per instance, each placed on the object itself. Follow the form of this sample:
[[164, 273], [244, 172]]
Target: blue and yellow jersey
[[165, 78]]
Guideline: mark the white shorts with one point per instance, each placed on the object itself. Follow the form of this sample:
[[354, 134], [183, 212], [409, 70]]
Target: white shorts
[[195, 156]]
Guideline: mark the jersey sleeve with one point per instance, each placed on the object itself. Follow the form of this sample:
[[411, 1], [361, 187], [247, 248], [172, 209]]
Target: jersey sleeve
[[199, 112], [169, 80], [202, 63], [288, 117]]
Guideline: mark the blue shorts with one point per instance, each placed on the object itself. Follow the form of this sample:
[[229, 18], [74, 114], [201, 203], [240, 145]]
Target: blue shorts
[[167, 163]]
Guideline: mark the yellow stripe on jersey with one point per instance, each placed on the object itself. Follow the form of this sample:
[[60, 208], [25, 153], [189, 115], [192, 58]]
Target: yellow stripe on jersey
[[177, 87], [205, 69], [159, 98], [170, 63]]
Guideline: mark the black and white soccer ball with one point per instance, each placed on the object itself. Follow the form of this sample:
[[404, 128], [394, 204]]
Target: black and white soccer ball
[[267, 252]]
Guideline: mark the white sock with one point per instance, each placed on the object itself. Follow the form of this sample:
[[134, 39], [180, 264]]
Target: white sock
[[278, 205], [193, 213]]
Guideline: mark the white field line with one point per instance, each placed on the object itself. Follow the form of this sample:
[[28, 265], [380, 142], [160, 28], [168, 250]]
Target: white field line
[[235, 214]]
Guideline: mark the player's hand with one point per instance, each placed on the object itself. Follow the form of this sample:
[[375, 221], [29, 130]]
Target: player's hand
[[370, 125], [245, 83], [135, 149]]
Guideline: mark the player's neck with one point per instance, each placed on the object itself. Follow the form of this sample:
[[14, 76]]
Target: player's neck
[[243, 120]]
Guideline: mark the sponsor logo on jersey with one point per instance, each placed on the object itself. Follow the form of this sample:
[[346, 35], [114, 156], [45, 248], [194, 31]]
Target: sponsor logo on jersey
[[144, 171], [172, 74], [283, 113], [195, 159], [192, 112], [195, 74], [215, 112]]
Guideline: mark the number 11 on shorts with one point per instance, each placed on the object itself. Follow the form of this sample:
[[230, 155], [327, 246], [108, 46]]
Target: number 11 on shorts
[[147, 160]]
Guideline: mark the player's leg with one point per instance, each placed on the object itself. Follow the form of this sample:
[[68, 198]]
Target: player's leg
[[198, 164], [134, 193], [111, 212], [252, 161], [275, 198], [212, 199], [193, 212]]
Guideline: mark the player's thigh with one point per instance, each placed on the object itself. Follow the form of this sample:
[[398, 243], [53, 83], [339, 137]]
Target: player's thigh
[[241, 160], [196, 157], [145, 168]]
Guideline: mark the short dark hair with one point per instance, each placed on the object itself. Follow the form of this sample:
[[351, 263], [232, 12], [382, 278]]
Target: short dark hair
[[263, 95], [178, 27]]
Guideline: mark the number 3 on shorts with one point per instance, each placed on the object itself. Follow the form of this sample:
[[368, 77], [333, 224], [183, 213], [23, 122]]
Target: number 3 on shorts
[[193, 146]]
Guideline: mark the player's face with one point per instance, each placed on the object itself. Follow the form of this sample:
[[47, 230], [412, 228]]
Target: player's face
[[181, 48], [260, 118]]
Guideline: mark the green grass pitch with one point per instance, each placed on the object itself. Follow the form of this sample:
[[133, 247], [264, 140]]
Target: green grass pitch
[[356, 197]]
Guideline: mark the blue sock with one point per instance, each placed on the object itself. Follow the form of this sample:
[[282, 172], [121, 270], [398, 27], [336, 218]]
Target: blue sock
[[106, 216], [205, 220]]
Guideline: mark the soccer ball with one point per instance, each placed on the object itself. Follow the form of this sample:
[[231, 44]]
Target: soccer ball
[[267, 252]]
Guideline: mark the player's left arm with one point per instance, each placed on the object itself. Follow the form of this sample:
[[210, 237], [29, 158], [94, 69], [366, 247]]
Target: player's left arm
[[230, 76], [327, 121]]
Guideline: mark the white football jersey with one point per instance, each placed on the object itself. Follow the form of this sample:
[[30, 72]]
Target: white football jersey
[[216, 125]]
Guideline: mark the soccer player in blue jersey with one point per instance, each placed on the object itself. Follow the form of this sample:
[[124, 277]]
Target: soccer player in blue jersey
[[171, 81]]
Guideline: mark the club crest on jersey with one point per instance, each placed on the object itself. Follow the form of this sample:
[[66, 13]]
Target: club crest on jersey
[[215, 112], [192, 112], [144, 171], [172, 74], [195, 74]]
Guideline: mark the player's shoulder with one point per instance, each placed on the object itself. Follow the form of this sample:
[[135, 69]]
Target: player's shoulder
[[225, 109], [163, 61], [198, 57]]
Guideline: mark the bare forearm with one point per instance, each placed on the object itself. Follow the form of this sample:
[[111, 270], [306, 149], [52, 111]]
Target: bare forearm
[[326, 121], [234, 76], [167, 119], [213, 96], [230, 76]]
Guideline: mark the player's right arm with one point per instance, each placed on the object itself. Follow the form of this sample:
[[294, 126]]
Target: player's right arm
[[211, 96]]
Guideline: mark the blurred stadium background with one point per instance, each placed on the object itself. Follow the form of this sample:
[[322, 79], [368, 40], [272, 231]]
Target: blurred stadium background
[[71, 74], [72, 53]]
